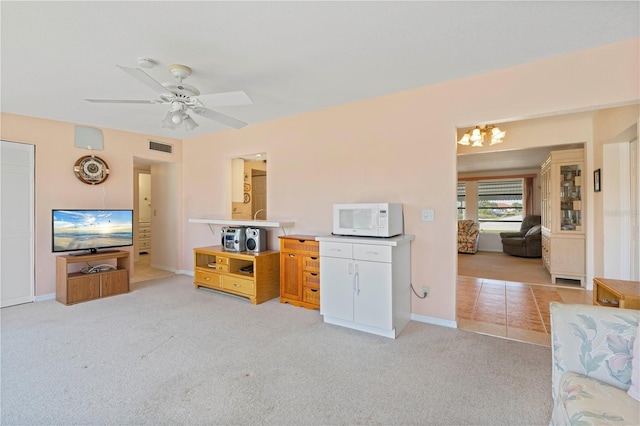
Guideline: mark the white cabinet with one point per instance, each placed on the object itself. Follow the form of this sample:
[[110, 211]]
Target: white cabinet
[[563, 238], [366, 283]]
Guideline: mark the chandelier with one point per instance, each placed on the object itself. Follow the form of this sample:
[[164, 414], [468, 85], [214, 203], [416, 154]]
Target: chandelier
[[482, 134]]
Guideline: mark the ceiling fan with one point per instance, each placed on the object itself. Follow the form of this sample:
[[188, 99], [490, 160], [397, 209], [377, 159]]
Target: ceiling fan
[[182, 98]]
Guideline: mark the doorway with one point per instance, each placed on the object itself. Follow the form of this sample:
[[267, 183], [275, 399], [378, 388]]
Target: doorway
[[155, 215]]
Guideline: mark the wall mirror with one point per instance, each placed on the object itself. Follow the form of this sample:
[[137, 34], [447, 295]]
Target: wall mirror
[[249, 187]]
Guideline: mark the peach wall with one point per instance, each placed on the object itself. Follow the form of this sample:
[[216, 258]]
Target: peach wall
[[399, 148], [56, 185]]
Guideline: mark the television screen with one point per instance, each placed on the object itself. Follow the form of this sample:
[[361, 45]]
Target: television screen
[[91, 230]]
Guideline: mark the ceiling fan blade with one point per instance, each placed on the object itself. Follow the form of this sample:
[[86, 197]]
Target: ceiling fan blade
[[221, 118], [124, 101], [145, 79], [226, 99]]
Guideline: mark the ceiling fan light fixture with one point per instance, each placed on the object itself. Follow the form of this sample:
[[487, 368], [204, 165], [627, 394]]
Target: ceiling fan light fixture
[[176, 117], [166, 122], [181, 97], [189, 123]]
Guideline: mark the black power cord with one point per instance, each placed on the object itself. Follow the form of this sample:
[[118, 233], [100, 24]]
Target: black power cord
[[417, 295]]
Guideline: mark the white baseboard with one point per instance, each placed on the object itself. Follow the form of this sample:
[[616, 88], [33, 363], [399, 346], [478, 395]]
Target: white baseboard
[[434, 321], [50, 296], [185, 272], [162, 267]]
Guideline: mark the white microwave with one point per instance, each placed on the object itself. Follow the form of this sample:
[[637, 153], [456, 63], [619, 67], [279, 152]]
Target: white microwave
[[368, 219]]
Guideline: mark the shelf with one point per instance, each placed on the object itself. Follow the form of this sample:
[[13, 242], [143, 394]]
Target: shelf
[[252, 223]]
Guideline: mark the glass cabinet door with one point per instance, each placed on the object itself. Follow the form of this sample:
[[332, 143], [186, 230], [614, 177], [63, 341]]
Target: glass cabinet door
[[571, 197]]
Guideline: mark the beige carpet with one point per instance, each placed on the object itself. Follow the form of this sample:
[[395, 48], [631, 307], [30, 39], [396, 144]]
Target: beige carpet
[[500, 266], [168, 354]]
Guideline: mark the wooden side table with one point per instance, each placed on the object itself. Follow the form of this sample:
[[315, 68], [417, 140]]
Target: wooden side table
[[616, 293]]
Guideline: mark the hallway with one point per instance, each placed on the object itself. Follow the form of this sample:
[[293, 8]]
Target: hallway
[[142, 270]]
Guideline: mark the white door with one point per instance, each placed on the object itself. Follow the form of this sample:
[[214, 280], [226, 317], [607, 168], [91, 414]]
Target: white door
[[372, 300], [16, 223], [336, 283]]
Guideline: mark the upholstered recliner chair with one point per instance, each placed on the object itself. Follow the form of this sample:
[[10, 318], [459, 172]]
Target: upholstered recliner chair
[[468, 234], [525, 243]]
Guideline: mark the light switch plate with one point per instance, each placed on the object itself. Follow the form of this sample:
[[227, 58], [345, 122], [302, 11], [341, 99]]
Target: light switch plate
[[428, 215]]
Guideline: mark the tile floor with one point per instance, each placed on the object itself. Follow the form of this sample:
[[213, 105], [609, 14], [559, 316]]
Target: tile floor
[[142, 270], [513, 310]]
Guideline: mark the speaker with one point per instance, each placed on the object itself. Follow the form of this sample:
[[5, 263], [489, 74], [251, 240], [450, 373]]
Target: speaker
[[88, 137], [256, 239]]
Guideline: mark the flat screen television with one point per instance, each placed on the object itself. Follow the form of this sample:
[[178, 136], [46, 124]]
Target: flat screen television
[[90, 230]]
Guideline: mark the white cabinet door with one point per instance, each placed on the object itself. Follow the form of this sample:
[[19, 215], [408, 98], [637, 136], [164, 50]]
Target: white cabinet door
[[17, 222], [372, 299], [336, 297]]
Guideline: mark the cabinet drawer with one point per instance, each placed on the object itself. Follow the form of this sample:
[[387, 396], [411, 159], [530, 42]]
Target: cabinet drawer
[[222, 260], [311, 263], [222, 267], [298, 246], [146, 244], [343, 250], [372, 253], [311, 279], [240, 285], [311, 295], [210, 279]]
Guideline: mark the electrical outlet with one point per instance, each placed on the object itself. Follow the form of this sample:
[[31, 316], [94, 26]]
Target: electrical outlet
[[425, 290]]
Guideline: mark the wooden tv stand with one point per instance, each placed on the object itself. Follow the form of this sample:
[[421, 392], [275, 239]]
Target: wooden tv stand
[[76, 287], [224, 271]]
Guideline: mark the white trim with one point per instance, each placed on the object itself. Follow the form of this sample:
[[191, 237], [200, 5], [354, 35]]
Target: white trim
[[434, 321], [361, 327], [185, 272], [45, 297], [163, 268]]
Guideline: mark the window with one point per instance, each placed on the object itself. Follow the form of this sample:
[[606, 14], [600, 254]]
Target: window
[[461, 199], [500, 204]]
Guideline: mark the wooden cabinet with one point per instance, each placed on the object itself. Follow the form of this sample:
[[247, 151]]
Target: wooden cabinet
[[75, 287], [300, 271], [563, 240], [366, 283], [254, 276], [144, 237]]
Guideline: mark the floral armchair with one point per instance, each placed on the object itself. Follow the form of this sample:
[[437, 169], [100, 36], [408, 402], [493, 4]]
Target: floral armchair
[[593, 354], [468, 234]]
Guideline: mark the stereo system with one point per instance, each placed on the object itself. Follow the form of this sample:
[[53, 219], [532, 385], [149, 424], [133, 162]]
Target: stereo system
[[233, 239], [243, 239], [256, 240]]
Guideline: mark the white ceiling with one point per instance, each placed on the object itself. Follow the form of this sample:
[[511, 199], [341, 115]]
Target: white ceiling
[[290, 57]]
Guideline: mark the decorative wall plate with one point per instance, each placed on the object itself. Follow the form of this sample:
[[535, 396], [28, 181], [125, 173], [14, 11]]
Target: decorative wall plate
[[247, 187], [247, 197], [91, 170]]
